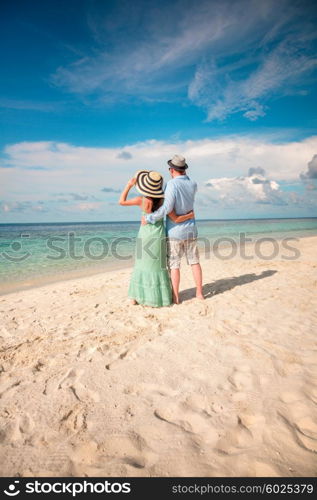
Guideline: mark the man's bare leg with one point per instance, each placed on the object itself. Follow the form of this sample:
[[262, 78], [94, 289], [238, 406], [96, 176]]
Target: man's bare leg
[[175, 277], [198, 277]]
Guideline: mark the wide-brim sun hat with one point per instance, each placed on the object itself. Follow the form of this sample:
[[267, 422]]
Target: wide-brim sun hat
[[178, 162], [149, 183]]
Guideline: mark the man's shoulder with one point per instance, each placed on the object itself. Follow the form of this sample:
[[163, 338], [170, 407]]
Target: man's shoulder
[[190, 181], [176, 180]]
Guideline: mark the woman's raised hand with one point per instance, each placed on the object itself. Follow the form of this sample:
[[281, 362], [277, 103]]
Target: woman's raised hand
[[132, 182]]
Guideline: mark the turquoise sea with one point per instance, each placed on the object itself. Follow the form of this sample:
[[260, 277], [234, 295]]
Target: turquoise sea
[[37, 253]]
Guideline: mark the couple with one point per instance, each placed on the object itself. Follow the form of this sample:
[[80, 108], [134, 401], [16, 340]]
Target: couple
[[151, 283]]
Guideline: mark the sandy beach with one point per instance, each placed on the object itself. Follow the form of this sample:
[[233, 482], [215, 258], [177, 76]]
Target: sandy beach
[[93, 386]]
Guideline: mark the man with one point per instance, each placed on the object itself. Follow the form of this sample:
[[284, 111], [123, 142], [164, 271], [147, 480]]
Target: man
[[182, 237]]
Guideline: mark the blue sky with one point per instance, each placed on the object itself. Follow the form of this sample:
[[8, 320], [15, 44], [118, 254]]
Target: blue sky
[[91, 91]]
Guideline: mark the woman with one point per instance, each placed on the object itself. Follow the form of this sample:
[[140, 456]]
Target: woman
[[150, 282]]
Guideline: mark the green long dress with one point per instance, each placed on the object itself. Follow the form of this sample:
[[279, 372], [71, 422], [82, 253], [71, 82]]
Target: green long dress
[[150, 282]]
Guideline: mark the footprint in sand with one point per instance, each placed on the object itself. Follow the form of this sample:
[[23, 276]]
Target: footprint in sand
[[307, 443], [307, 426], [188, 420], [80, 391], [71, 380], [302, 425], [151, 391], [254, 423], [115, 356], [74, 420], [131, 449], [241, 378], [245, 435], [306, 432], [200, 403], [17, 430]]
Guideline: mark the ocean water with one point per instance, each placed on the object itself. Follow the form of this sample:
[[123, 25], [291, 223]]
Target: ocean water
[[35, 253]]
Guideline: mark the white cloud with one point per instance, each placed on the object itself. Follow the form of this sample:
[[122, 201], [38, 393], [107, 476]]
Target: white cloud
[[84, 207], [125, 155], [23, 206], [236, 190], [80, 174], [80, 168], [311, 172]]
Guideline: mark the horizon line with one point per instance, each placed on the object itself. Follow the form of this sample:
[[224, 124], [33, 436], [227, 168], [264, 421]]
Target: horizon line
[[137, 221]]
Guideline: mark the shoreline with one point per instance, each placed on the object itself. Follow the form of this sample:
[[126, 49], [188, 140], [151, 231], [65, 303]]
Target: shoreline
[[78, 274], [59, 278]]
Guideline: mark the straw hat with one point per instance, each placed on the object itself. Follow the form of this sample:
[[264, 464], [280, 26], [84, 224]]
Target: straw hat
[[149, 183]]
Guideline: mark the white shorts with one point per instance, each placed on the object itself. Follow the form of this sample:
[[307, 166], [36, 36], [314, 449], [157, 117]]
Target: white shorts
[[177, 248]]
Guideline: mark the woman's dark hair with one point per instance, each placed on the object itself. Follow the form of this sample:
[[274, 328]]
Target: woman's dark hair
[[156, 202]]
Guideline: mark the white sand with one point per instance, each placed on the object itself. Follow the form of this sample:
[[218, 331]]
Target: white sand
[[226, 387]]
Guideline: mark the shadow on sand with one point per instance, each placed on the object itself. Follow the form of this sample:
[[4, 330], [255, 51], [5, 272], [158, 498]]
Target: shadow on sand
[[223, 285]]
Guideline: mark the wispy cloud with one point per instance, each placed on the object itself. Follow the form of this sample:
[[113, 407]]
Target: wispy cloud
[[47, 107], [74, 196], [110, 190], [77, 196], [227, 57], [278, 72]]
